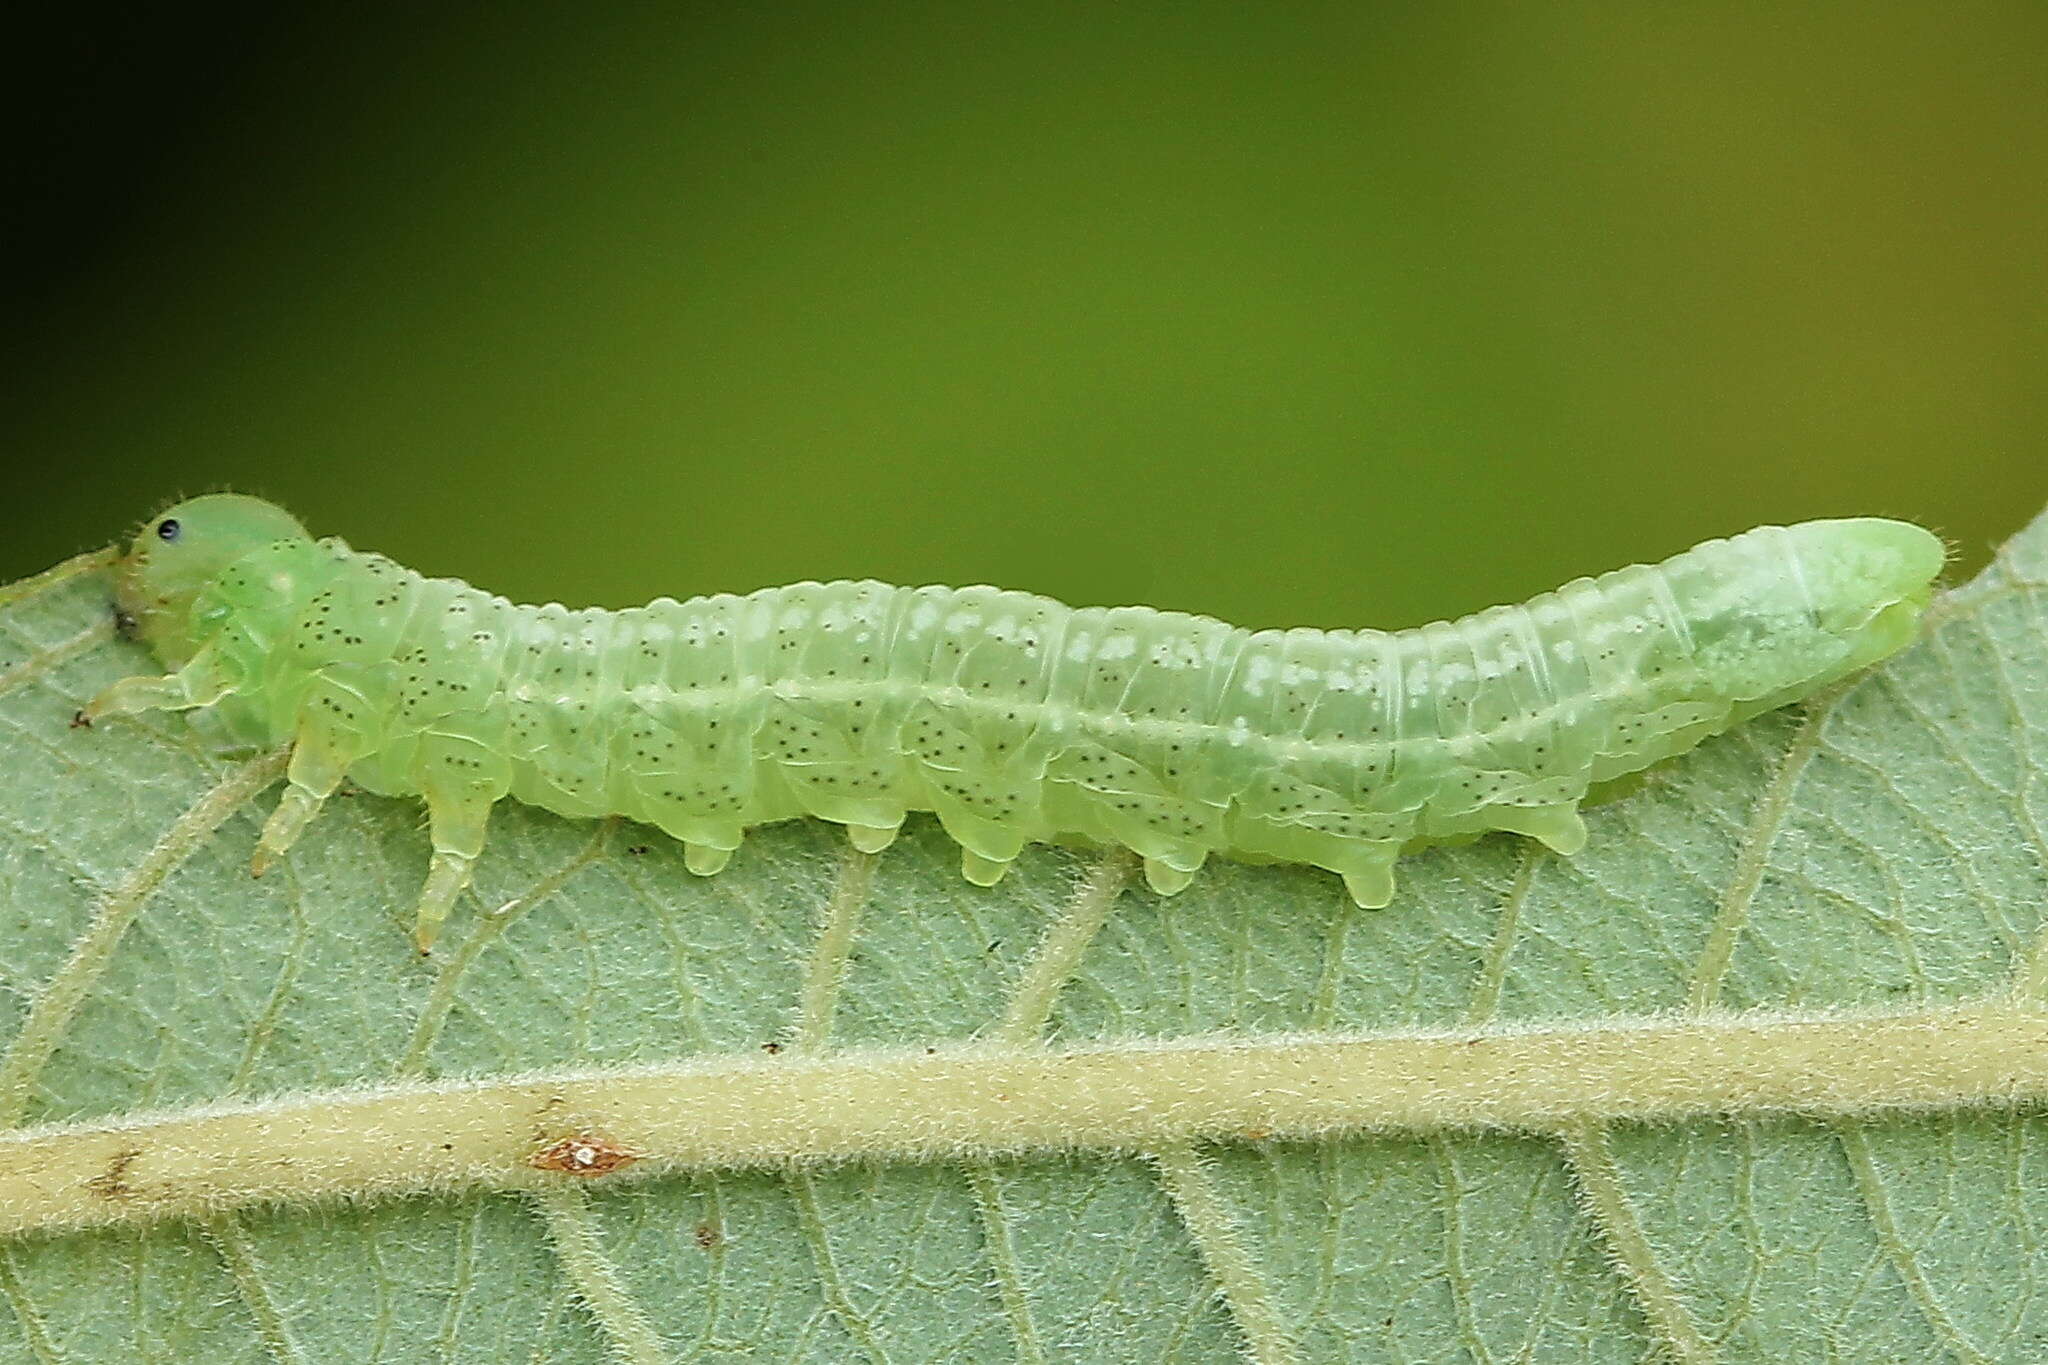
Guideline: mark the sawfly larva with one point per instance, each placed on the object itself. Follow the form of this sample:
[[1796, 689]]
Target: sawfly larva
[[1012, 717]]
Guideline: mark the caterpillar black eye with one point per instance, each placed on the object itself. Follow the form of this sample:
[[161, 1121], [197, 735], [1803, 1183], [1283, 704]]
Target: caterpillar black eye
[[167, 529]]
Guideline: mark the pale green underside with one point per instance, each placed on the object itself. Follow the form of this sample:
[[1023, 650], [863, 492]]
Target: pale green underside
[[1886, 851]]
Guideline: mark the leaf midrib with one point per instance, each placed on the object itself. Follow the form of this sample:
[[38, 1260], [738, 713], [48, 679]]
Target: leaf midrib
[[989, 1100]]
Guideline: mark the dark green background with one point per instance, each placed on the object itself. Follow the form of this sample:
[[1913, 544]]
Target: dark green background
[[1327, 314]]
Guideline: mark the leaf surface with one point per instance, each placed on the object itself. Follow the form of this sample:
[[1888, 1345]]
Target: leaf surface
[[1878, 854]]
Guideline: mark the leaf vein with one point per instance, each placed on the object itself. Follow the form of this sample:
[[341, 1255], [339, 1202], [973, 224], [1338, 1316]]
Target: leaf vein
[[32, 1330], [230, 1241], [1219, 1239], [1606, 1202], [1002, 1255], [1877, 1204], [487, 928], [54, 656], [838, 922], [51, 1014], [831, 1283], [1752, 856], [579, 1247]]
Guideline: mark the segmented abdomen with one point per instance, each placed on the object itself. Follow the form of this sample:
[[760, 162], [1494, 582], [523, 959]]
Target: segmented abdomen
[[1017, 719]]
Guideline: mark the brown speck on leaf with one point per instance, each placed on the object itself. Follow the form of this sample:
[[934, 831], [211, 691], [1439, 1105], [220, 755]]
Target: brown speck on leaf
[[586, 1154], [79, 721], [771, 1048], [708, 1236], [112, 1183]]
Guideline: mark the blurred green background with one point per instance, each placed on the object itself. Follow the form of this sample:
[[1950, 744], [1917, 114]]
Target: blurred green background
[[1326, 314]]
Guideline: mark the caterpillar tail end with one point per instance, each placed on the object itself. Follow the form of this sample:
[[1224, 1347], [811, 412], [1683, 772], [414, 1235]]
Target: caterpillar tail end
[[446, 876]]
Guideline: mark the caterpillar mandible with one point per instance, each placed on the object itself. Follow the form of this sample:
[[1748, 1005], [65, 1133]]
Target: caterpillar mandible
[[1012, 717]]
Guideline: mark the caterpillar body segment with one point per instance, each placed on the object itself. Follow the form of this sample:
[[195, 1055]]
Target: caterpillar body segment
[[1012, 717]]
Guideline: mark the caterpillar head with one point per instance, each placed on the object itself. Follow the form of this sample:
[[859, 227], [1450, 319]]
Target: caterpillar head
[[182, 549]]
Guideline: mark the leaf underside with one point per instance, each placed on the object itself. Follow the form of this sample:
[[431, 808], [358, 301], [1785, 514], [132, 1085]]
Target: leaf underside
[[1882, 851]]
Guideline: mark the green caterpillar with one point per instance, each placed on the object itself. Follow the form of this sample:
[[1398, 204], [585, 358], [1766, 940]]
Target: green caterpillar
[[1013, 717]]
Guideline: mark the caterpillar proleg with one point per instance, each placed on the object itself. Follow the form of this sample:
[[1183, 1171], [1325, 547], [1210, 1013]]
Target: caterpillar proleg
[[1012, 717]]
